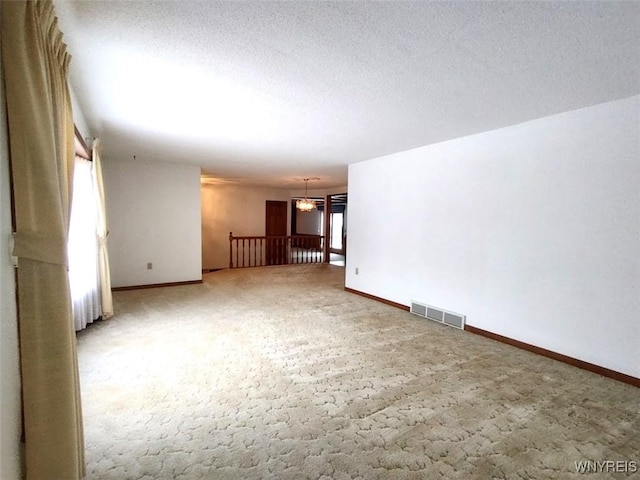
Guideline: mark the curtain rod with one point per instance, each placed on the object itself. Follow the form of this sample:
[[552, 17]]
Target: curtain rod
[[82, 150]]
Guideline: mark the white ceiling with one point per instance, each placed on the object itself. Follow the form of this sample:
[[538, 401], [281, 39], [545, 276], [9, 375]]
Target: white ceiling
[[268, 92]]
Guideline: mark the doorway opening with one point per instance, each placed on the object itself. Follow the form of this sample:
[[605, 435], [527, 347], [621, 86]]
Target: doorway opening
[[316, 223], [337, 229], [337, 232]]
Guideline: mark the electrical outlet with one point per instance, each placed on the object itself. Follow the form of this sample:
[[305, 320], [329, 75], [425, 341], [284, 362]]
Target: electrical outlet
[[357, 271], [149, 266]]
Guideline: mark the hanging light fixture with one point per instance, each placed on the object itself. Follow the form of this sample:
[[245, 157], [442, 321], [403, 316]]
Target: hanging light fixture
[[305, 205]]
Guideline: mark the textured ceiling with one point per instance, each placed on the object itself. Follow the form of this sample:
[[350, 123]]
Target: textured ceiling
[[268, 92]]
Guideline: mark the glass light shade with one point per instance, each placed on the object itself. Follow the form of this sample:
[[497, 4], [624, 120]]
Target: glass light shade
[[305, 205]]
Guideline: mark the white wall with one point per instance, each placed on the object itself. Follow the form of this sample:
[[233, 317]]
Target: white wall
[[237, 209], [532, 231], [154, 217], [10, 413], [79, 119]]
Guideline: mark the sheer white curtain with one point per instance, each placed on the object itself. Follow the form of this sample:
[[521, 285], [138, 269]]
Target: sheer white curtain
[[103, 233], [83, 247]]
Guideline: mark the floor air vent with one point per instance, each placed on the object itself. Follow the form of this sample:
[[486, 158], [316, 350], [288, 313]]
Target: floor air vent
[[438, 314]]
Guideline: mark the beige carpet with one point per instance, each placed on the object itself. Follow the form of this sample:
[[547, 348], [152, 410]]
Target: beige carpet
[[276, 372]]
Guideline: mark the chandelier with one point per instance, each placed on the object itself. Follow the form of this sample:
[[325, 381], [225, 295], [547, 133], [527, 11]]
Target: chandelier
[[305, 205]]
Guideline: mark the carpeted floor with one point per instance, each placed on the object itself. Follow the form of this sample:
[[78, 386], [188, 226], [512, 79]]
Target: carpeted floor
[[277, 373]]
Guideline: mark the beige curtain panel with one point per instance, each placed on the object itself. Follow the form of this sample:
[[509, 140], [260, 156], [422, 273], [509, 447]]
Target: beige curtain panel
[[103, 233], [41, 137]]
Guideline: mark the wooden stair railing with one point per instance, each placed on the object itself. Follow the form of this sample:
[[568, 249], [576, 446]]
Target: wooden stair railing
[[255, 251]]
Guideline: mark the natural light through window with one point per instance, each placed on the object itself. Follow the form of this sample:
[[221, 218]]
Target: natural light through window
[[336, 230], [82, 247]]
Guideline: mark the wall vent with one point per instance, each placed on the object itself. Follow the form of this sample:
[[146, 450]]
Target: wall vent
[[438, 314], [454, 320], [435, 314], [418, 309]]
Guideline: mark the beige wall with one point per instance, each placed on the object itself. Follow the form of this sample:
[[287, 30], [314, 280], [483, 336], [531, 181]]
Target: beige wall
[[309, 223], [241, 210], [237, 209]]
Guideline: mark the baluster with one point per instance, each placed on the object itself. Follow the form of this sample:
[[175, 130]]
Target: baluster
[[269, 254], [279, 250], [274, 251]]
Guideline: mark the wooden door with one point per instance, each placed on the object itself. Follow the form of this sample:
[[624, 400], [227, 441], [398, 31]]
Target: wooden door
[[276, 232]]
